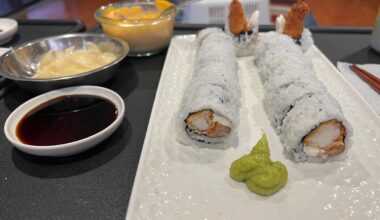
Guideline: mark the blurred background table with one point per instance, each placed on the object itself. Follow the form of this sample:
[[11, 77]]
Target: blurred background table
[[325, 12]]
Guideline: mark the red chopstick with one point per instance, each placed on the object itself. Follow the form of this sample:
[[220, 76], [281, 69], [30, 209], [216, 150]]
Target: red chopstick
[[371, 80], [367, 73]]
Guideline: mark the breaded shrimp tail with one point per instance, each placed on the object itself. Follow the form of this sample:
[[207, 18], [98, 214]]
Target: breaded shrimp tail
[[295, 19], [236, 19]]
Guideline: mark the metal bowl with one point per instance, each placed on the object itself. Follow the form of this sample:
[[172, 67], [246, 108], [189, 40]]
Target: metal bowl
[[19, 64]]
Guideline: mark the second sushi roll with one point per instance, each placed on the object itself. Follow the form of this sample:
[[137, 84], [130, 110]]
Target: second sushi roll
[[309, 121]]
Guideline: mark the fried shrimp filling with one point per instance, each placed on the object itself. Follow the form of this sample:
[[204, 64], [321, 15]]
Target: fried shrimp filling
[[295, 19], [208, 123], [326, 140], [236, 19]]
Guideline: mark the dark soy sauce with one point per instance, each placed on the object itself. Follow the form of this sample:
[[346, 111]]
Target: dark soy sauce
[[66, 119]]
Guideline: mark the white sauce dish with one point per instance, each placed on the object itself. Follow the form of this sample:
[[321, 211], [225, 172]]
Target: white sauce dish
[[65, 121], [8, 27]]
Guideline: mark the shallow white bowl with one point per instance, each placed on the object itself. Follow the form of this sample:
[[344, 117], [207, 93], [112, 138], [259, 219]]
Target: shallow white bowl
[[72, 147], [8, 28]]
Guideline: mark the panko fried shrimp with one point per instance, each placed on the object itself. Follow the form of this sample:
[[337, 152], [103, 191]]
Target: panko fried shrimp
[[295, 19], [243, 31], [236, 19]]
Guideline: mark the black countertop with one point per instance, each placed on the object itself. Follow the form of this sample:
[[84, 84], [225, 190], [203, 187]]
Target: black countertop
[[97, 184]]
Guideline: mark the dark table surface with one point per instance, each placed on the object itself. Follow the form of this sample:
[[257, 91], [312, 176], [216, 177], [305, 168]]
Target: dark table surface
[[97, 184]]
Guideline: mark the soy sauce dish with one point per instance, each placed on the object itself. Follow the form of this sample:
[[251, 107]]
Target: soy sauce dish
[[65, 121]]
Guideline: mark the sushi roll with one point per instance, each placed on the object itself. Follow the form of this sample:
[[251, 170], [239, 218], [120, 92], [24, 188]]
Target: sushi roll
[[243, 31], [315, 129], [205, 32], [309, 121], [293, 25], [280, 59], [209, 109], [279, 101]]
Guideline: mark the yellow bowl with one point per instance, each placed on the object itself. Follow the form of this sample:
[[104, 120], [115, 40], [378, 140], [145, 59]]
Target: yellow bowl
[[146, 27]]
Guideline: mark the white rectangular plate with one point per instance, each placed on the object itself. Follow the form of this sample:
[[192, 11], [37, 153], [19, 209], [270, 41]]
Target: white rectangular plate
[[181, 182]]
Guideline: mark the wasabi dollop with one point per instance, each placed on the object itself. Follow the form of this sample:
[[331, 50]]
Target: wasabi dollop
[[258, 171]]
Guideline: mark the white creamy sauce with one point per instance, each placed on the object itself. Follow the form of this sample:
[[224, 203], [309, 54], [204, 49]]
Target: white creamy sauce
[[280, 23], [254, 21], [311, 151], [221, 120]]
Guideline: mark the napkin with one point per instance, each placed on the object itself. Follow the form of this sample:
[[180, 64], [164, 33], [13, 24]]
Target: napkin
[[369, 94]]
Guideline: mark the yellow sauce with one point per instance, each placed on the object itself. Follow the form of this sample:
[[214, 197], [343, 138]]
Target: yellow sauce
[[71, 62], [144, 30], [135, 12]]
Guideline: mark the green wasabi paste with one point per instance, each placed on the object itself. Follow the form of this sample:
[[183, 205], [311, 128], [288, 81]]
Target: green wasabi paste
[[258, 171]]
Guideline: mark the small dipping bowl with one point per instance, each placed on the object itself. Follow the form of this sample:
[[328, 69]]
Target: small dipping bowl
[[10, 127], [20, 63], [8, 27], [146, 27]]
